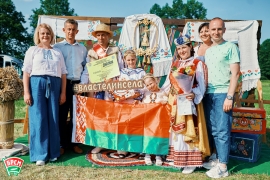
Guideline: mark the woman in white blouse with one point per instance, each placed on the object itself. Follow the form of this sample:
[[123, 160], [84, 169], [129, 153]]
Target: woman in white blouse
[[44, 80]]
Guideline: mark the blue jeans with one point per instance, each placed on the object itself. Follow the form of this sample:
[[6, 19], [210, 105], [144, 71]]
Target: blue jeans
[[219, 124], [43, 118]]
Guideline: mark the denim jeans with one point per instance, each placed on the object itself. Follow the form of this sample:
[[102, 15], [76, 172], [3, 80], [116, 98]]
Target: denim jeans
[[43, 118], [219, 124]]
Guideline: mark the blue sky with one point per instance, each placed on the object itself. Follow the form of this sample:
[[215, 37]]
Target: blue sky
[[226, 9]]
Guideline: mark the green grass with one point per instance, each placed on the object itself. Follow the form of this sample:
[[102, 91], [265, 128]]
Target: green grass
[[20, 108], [266, 96]]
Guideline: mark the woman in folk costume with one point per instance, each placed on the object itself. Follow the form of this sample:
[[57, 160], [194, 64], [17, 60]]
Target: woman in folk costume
[[100, 50], [188, 139]]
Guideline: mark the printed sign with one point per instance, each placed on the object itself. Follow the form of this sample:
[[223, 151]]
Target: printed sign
[[102, 69], [184, 105], [13, 165], [115, 85]]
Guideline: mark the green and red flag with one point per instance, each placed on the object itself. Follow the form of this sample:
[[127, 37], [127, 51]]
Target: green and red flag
[[142, 128]]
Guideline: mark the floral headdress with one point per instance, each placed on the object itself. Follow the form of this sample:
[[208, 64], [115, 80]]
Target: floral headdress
[[182, 40]]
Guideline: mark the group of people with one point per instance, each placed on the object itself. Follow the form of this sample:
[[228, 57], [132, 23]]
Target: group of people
[[51, 71]]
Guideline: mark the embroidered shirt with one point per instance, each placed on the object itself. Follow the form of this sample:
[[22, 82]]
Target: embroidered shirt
[[75, 58], [40, 61], [154, 97]]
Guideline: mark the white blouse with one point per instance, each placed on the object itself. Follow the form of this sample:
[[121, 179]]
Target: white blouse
[[196, 56], [40, 61], [127, 74], [155, 97]]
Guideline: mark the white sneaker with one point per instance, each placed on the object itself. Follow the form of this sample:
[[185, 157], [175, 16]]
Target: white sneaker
[[211, 163], [96, 150], [158, 161], [188, 170], [216, 172], [147, 160], [171, 163], [213, 156], [54, 159], [40, 163]]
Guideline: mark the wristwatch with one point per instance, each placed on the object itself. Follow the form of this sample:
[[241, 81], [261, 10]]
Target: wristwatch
[[229, 97]]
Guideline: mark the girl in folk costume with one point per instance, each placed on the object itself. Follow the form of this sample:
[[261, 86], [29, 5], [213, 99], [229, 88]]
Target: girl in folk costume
[[153, 95], [188, 139], [128, 96], [100, 50], [126, 74]]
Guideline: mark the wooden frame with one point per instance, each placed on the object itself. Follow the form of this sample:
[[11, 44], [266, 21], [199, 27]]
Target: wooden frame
[[260, 101]]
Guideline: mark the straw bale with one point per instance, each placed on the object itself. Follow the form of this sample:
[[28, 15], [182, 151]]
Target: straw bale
[[11, 86]]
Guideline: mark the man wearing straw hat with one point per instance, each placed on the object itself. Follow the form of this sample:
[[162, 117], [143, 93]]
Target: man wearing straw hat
[[75, 56], [100, 50]]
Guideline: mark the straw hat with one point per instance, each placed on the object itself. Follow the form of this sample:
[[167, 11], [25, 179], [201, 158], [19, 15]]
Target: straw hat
[[102, 28]]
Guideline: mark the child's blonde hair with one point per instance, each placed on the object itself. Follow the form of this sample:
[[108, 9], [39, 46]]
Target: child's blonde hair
[[149, 75], [129, 52]]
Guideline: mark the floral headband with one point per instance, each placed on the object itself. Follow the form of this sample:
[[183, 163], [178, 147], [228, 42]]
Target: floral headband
[[182, 40]]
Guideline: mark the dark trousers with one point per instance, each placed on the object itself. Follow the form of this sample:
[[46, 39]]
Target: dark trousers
[[65, 127]]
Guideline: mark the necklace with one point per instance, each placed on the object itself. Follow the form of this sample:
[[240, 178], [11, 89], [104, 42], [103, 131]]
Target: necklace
[[153, 99]]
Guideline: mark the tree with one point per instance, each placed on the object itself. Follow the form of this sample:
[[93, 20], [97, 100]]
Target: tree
[[14, 39], [51, 7], [179, 10], [264, 59]]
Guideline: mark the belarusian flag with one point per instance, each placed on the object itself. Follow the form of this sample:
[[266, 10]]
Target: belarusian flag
[[141, 128]]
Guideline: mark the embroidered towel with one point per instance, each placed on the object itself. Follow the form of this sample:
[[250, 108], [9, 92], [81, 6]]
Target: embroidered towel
[[85, 27]]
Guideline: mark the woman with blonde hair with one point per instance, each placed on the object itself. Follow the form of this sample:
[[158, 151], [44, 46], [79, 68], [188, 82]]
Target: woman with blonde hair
[[44, 80]]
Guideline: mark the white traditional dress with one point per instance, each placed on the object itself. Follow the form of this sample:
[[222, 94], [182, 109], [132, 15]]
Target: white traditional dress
[[155, 97], [188, 138], [127, 74]]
